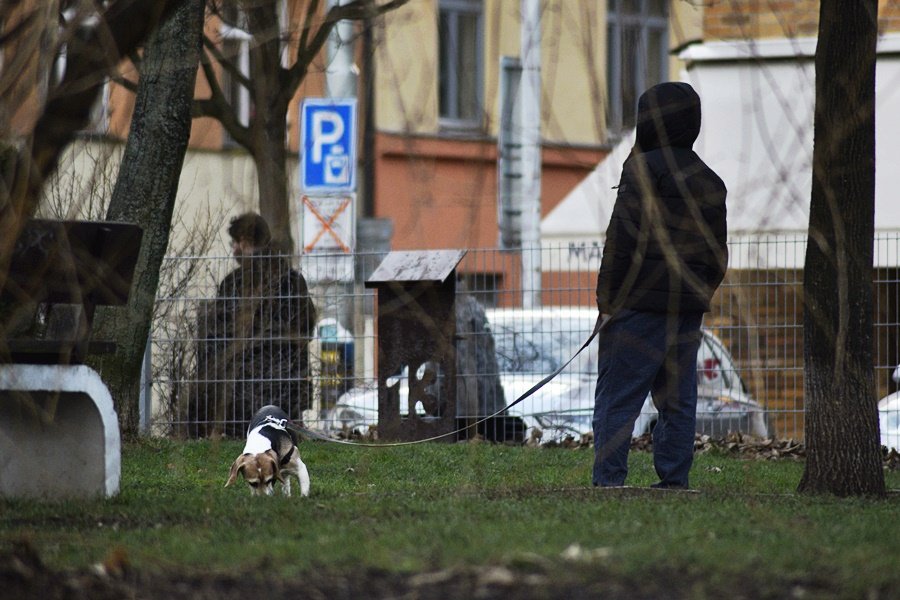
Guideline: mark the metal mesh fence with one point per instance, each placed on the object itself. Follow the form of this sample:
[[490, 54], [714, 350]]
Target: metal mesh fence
[[750, 366]]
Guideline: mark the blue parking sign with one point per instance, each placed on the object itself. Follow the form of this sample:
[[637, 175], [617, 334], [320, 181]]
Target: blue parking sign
[[328, 145]]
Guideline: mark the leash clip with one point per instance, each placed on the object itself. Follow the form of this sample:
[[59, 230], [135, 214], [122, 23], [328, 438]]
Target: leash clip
[[279, 423]]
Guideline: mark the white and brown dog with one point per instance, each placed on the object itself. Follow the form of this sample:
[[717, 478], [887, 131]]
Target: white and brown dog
[[270, 455]]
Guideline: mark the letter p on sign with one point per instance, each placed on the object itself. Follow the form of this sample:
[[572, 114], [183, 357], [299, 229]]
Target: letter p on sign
[[327, 130]]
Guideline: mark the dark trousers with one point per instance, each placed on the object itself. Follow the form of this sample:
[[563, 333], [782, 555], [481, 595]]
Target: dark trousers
[[641, 353]]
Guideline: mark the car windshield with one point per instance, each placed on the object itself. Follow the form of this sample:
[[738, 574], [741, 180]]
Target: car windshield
[[537, 342], [541, 343]]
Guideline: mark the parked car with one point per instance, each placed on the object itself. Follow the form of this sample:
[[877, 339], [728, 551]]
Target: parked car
[[531, 343], [357, 409], [889, 416]]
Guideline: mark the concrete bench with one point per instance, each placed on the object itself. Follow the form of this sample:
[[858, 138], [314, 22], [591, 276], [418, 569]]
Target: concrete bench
[[59, 432]]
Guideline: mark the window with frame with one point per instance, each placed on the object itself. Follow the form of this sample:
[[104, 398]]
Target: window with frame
[[461, 68], [636, 54], [484, 286]]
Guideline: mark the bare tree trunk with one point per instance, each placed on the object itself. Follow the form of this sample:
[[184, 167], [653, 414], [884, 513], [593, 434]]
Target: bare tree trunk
[[272, 85], [268, 127], [146, 188], [92, 54], [844, 455], [270, 156]]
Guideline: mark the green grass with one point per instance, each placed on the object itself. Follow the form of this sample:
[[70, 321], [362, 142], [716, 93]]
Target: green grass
[[435, 506]]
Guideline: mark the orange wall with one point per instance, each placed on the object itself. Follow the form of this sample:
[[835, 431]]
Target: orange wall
[[442, 193]]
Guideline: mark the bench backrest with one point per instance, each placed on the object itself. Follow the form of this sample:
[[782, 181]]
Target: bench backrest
[[82, 263], [73, 261]]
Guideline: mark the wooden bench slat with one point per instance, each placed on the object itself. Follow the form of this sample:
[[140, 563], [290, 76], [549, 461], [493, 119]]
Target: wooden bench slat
[[51, 352]]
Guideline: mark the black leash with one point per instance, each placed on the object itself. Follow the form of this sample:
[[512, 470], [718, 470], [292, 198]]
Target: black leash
[[600, 324]]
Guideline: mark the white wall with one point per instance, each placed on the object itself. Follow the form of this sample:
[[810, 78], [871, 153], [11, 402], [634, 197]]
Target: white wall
[[758, 101], [757, 133], [213, 187]]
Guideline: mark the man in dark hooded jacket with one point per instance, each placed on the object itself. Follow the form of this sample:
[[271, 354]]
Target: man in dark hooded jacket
[[663, 259]]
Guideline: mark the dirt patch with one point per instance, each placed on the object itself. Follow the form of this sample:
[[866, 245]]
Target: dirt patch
[[577, 574]]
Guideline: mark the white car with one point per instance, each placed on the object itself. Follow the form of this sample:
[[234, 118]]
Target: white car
[[531, 343], [889, 417]]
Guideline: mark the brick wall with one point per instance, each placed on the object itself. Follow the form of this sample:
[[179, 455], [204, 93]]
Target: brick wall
[[744, 19], [758, 315], [888, 16]]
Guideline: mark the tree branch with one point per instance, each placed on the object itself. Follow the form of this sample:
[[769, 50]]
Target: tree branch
[[92, 56], [227, 64], [218, 107], [311, 11], [308, 49], [16, 30], [124, 82]]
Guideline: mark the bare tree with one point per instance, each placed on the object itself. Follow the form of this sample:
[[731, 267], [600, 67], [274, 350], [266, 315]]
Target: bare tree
[[96, 44], [146, 189], [844, 456], [271, 85]]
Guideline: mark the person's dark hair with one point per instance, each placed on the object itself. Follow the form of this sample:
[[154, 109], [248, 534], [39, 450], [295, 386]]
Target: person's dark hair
[[250, 226]]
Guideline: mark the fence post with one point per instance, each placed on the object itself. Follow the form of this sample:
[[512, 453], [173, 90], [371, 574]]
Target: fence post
[[145, 402]]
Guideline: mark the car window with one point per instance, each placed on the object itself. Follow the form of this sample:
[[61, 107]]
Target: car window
[[891, 420], [538, 344], [542, 345]]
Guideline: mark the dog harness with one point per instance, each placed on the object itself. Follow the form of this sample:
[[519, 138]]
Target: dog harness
[[266, 436]]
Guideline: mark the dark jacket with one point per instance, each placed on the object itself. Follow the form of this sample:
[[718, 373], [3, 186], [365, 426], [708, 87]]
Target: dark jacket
[[253, 349], [665, 246]]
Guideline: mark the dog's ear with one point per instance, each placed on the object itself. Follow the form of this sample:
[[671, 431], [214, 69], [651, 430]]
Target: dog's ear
[[276, 466], [236, 467], [278, 474]]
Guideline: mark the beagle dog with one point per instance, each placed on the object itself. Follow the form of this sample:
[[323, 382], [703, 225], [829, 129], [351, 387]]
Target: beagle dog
[[270, 455]]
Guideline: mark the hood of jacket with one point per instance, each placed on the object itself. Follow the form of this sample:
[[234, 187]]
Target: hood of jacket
[[668, 115]]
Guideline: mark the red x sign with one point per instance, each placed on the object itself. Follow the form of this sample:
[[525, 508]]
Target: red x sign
[[327, 224]]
